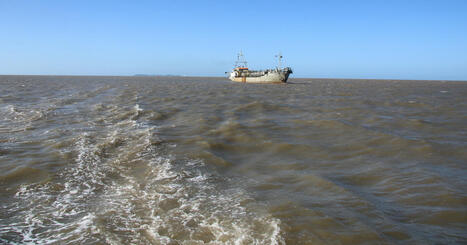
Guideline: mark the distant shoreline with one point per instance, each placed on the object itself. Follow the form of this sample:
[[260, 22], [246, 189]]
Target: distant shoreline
[[155, 75]]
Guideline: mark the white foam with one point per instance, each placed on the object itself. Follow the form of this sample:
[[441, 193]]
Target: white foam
[[137, 108]]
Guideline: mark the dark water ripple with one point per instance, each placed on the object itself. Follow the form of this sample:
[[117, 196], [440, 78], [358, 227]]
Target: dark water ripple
[[168, 160]]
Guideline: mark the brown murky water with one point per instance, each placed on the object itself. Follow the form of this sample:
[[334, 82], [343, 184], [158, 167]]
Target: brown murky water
[[172, 160]]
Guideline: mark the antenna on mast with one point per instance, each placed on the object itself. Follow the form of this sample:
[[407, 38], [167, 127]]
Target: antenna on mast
[[279, 58]]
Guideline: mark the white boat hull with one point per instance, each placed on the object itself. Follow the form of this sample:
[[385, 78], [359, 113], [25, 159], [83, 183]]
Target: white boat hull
[[277, 76]]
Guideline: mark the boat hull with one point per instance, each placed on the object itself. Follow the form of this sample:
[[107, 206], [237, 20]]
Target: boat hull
[[272, 77]]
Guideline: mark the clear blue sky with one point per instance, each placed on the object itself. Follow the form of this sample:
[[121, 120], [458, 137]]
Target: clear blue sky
[[407, 39]]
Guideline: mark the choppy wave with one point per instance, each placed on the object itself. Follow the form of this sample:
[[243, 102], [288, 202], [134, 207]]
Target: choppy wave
[[17, 119]]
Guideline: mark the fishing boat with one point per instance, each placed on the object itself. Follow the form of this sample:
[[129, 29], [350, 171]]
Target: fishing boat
[[241, 73]]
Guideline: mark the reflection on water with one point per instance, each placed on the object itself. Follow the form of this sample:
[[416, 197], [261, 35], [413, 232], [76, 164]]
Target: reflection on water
[[169, 160]]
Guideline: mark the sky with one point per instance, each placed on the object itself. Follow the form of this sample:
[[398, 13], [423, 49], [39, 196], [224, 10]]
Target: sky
[[318, 39]]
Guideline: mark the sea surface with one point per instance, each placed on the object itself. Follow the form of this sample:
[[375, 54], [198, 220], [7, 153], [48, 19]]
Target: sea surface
[[191, 160]]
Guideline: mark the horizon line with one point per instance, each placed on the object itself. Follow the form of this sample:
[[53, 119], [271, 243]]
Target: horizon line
[[198, 76]]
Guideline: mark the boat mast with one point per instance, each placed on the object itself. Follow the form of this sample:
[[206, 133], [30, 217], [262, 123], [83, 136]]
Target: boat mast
[[241, 62], [279, 58]]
